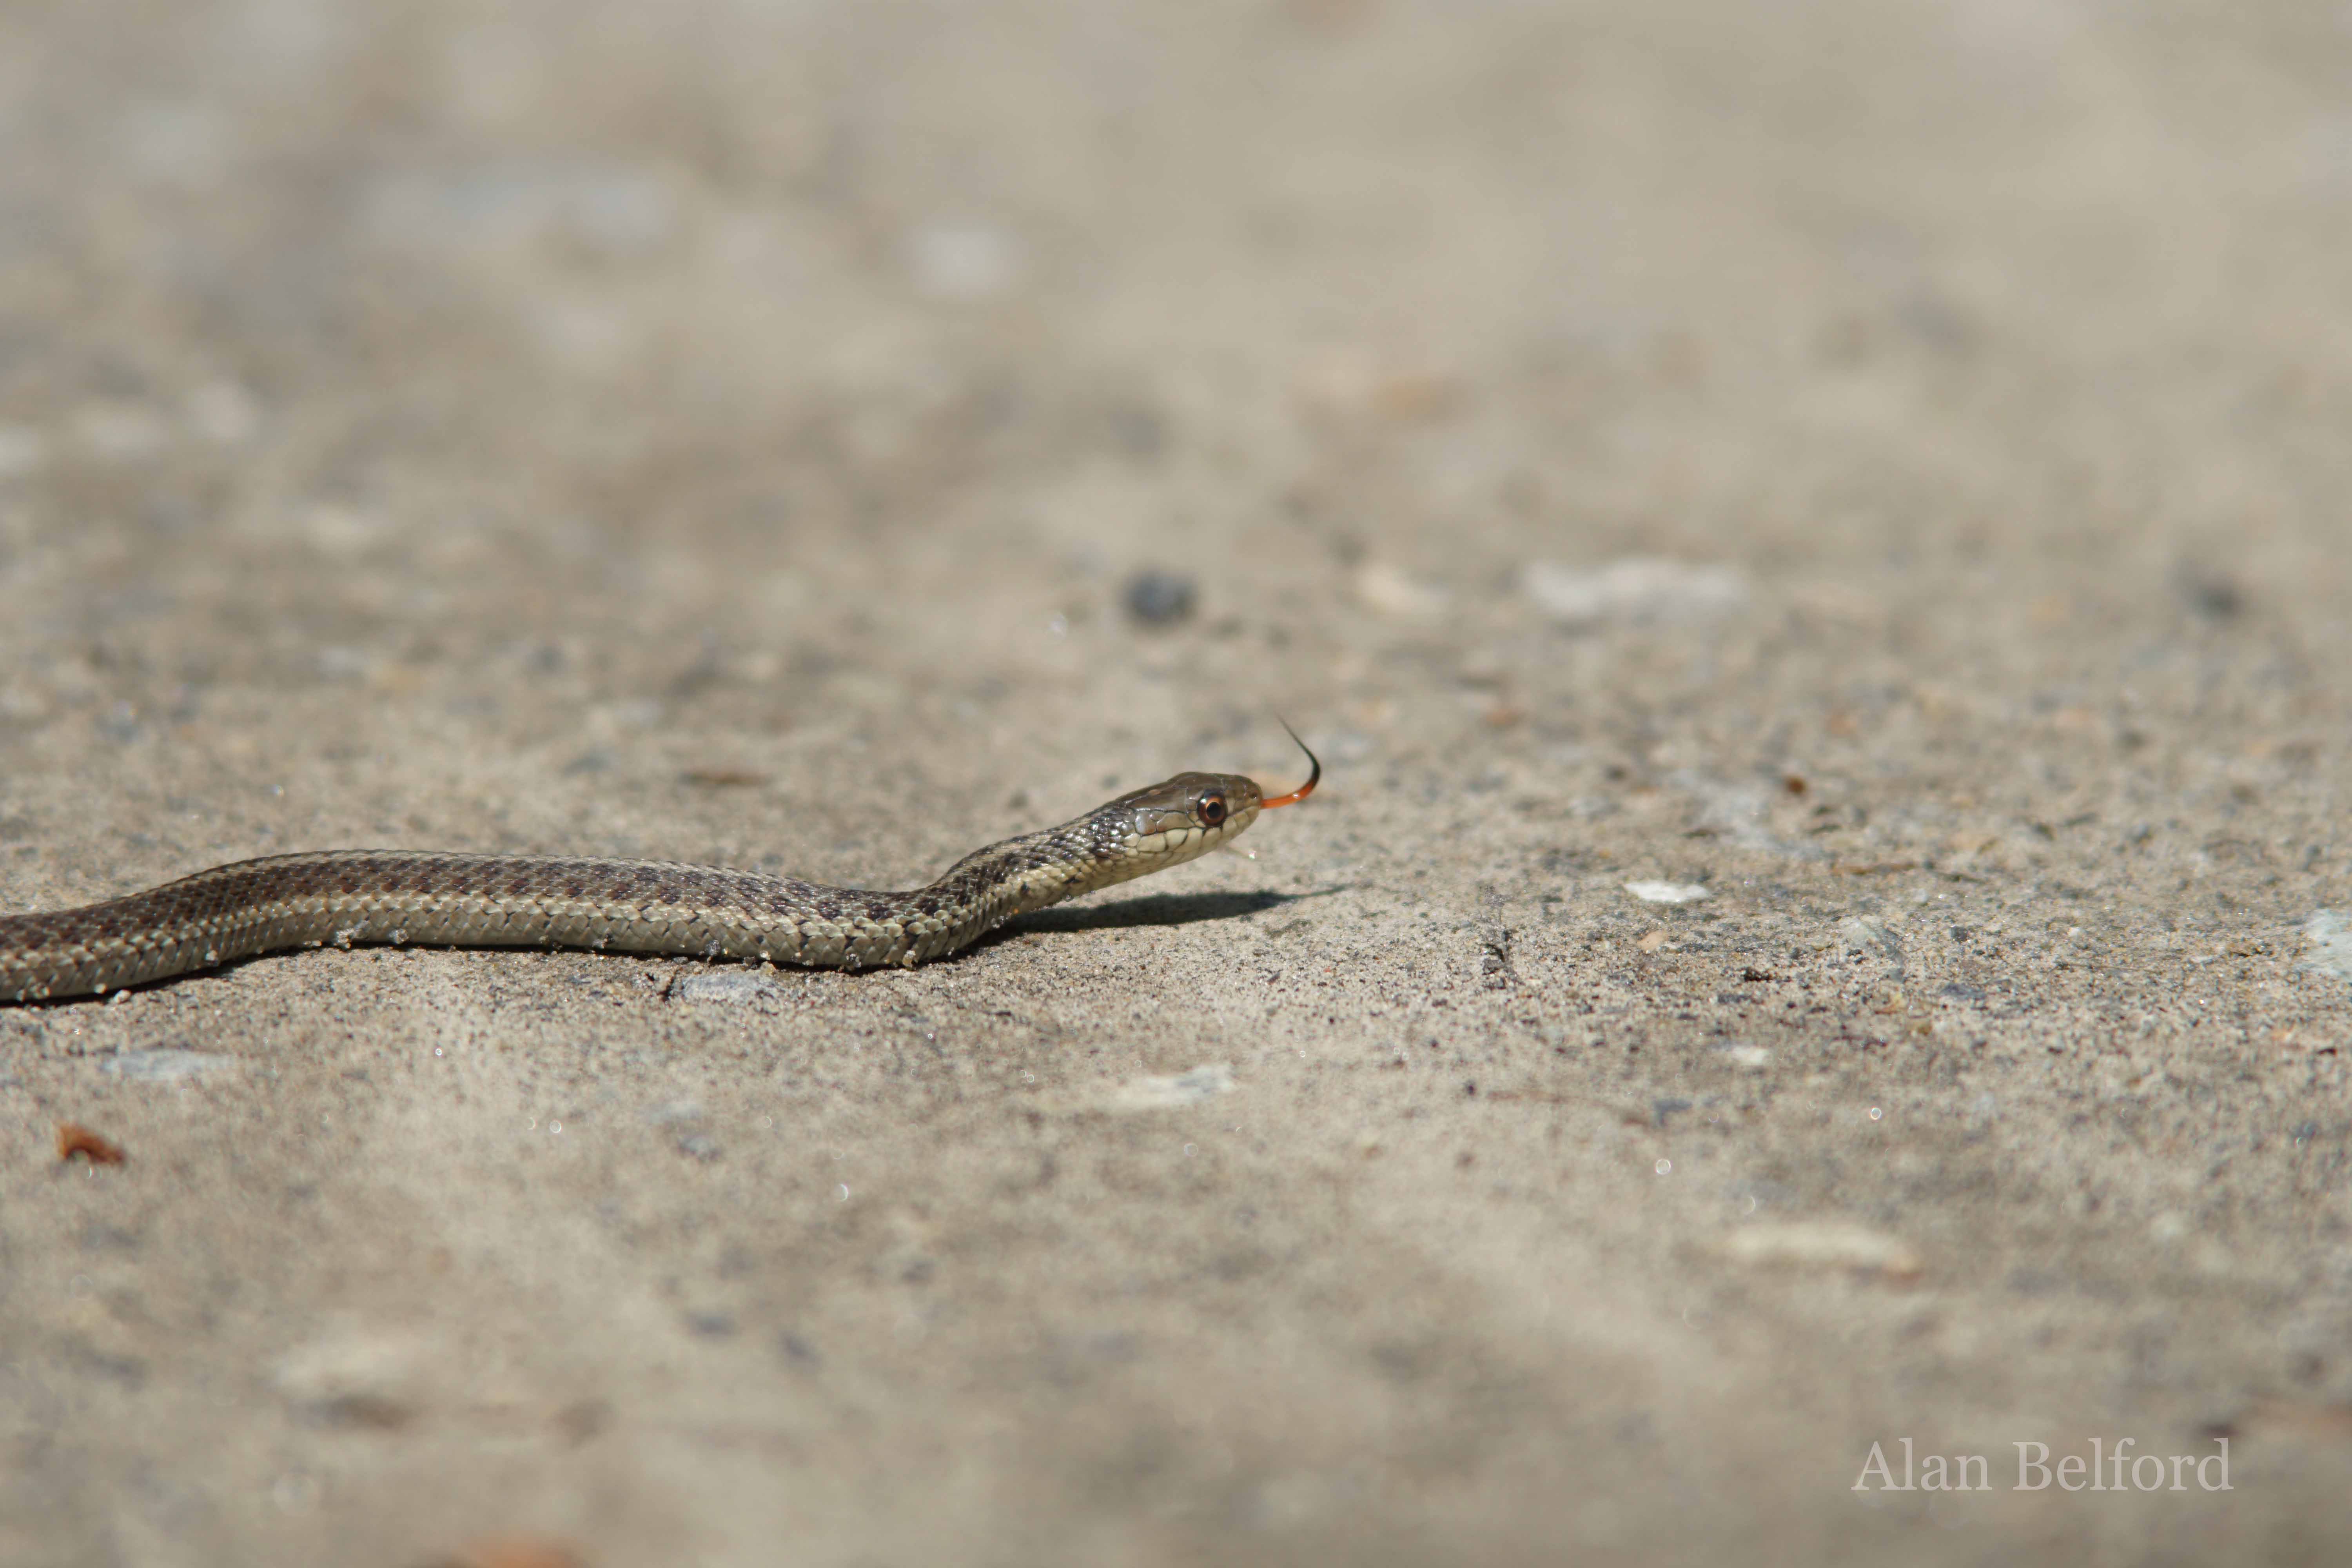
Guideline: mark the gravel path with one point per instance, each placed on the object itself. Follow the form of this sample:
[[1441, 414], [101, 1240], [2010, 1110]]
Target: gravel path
[[1812, 540]]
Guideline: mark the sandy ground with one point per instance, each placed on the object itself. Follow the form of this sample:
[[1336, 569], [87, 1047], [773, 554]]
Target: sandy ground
[[1884, 466]]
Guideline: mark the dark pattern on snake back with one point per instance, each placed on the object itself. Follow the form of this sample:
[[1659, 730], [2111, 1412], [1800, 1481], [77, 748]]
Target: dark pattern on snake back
[[343, 897]]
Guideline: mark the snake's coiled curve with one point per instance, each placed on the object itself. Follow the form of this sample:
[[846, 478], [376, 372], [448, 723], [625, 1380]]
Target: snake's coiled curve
[[346, 896]]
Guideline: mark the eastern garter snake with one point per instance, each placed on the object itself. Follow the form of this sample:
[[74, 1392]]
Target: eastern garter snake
[[347, 896]]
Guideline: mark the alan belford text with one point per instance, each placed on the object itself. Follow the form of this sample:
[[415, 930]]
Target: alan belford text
[[2100, 1467]]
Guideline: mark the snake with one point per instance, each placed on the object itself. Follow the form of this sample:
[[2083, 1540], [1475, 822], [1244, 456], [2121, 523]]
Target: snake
[[344, 898]]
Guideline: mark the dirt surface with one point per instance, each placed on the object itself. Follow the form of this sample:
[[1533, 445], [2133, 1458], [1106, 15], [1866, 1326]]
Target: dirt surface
[[1881, 466]]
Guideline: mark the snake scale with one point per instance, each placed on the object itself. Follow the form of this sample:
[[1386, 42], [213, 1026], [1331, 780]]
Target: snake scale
[[347, 896]]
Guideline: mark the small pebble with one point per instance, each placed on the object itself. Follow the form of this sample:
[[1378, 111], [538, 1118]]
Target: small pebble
[[1668, 892], [2211, 593], [166, 1066], [1160, 598], [1384, 586], [1175, 1091], [1824, 1243], [1636, 589], [1865, 933], [356, 1376], [2330, 935], [736, 986], [964, 260]]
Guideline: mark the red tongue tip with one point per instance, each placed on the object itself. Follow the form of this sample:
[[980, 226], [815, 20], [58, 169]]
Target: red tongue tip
[[1313, 777]]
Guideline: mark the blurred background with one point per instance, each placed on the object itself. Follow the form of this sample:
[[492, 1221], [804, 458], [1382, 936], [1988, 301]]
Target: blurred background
[[562, 370]]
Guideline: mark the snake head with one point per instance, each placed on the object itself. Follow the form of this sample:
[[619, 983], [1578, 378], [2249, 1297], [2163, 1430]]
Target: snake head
[[1178, 819], [1191, 813]]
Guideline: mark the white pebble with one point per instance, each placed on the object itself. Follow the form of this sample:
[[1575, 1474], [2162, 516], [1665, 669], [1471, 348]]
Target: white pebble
[[2330, 935], [1392, 590], [1824, 1243], [1173, 1091], [166, 1066], [1636, 589], [1668, 892], [963, 260], [734, 985]]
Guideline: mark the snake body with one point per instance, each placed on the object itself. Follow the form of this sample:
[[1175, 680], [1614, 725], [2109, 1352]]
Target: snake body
[[350, 896]]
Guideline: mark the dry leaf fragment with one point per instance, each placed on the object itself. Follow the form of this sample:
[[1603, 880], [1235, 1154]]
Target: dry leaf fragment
[[514, 1552], [2297, 1421], [75, 1139]]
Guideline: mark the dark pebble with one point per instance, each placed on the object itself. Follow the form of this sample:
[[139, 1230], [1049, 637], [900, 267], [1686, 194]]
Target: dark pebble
[[2211, 594], [1160, 598]]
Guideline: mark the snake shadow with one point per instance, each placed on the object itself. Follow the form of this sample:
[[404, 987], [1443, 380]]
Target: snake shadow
[[1151, 909]]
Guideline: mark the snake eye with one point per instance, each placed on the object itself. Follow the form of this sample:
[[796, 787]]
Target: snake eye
[[1212, 808]]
